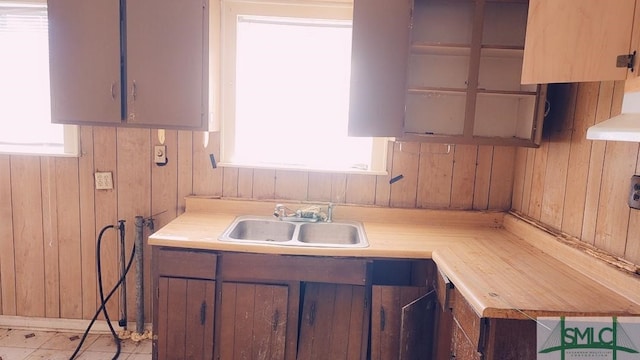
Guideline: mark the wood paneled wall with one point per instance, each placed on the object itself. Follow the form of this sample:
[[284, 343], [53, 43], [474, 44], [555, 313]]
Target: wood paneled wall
[[579, 186], [50, 214]]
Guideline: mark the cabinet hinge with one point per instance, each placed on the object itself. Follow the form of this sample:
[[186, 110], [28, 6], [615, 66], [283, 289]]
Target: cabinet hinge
[[626, 61]]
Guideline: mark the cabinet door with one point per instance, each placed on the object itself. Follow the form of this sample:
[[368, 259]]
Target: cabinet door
[[402, 322], [380, 50], [84, 61], [254, 321], [387, 305], [167, 63], [417, 328], [185, 318], [576, 40], [334, 319]]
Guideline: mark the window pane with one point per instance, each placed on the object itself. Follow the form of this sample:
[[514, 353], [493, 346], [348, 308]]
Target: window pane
[[24, 69], [292, 93]]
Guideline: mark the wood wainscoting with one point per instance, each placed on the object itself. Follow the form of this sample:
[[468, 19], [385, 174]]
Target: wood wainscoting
[[50, 213], [578, 186]]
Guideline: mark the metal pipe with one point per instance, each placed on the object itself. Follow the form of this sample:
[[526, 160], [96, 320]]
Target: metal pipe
[[139, 275], [123, 264]]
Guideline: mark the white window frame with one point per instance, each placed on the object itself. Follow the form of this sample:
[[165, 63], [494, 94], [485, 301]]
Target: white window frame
[[339, 10], [71, 138]]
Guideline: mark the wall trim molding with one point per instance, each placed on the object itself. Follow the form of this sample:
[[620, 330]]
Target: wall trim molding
[[59, 324]]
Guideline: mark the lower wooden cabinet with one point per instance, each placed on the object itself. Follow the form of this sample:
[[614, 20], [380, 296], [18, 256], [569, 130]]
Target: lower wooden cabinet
[[403, 310], [227, 306], [333, 323], [254, 321], [402, 322], [184, 304], [471, 337], [185, 318]]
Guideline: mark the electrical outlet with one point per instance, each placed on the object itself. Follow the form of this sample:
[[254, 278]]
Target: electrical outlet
[[634, 193], [104, 180], [160, 154]]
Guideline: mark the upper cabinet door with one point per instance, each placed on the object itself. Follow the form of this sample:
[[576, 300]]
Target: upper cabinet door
[[380, 50], [167, 63], [84, 57], [577, 40]]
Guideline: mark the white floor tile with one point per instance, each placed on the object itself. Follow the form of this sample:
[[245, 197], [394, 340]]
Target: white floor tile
[[140, 357], [106, 343], [50, 354], [101, 355], [13, 353], [67, 341], [33, 345], [25, 338], [142, 347]]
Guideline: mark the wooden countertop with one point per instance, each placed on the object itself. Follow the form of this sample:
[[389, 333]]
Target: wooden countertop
[[500, 274], [392, 233]]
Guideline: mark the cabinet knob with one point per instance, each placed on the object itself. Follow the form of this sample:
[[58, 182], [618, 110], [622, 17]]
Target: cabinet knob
[[113, 90]]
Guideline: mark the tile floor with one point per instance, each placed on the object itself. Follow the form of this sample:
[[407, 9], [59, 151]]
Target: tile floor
[[32, 345]]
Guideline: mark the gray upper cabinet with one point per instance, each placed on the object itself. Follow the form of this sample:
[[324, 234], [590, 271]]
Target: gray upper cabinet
[[448, 72], [84, 55], [380, 51], [150, 70]]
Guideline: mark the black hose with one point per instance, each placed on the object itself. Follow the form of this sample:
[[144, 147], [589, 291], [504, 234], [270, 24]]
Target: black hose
[[103, 299]]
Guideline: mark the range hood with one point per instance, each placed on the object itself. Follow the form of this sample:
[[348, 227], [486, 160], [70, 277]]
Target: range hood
[[624, 127]]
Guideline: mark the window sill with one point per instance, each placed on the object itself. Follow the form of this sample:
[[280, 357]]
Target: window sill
[[302, 168], [35, 150]]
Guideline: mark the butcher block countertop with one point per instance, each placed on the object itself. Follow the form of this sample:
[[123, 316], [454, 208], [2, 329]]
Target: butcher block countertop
[[503, 267]]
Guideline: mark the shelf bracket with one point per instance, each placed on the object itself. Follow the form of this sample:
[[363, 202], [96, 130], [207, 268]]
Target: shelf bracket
[[626, 61]]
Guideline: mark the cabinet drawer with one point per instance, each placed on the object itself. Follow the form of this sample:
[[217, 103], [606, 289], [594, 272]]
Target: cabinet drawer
[[239, 267], [185, 263], [462, 347], [444, 289], [466, 318]]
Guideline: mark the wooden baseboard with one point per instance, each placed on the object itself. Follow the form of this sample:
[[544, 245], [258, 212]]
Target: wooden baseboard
[[60, 325]]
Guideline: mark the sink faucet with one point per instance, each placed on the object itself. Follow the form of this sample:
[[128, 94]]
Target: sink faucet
[[280, 211], [329, 213], [309, 214]]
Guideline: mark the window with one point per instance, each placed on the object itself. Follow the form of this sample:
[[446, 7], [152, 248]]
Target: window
[[286, 75], [25, 111]]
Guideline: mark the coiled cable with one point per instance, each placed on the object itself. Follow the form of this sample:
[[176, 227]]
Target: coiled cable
[[103, 299]]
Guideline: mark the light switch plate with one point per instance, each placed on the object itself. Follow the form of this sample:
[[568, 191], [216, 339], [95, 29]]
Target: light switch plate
[[104, 180], [160, 154]]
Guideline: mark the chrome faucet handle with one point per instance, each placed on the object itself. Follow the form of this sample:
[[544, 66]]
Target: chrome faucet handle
[[279, 211]]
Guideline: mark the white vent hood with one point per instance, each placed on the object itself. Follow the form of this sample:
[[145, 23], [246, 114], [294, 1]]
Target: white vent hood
[[624, 127]]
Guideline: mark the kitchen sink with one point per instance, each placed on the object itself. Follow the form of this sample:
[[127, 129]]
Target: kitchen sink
[[329, 233], [270, 230], [262, 230]]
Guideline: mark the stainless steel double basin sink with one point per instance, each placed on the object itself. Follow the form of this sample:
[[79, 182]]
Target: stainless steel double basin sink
[[270, 230]]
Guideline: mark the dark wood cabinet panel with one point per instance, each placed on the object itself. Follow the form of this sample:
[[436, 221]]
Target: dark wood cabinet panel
[[475, 337], [386, 318], [333, 320], [417, 328], [185, 318], [462, 347], [254, 321]]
